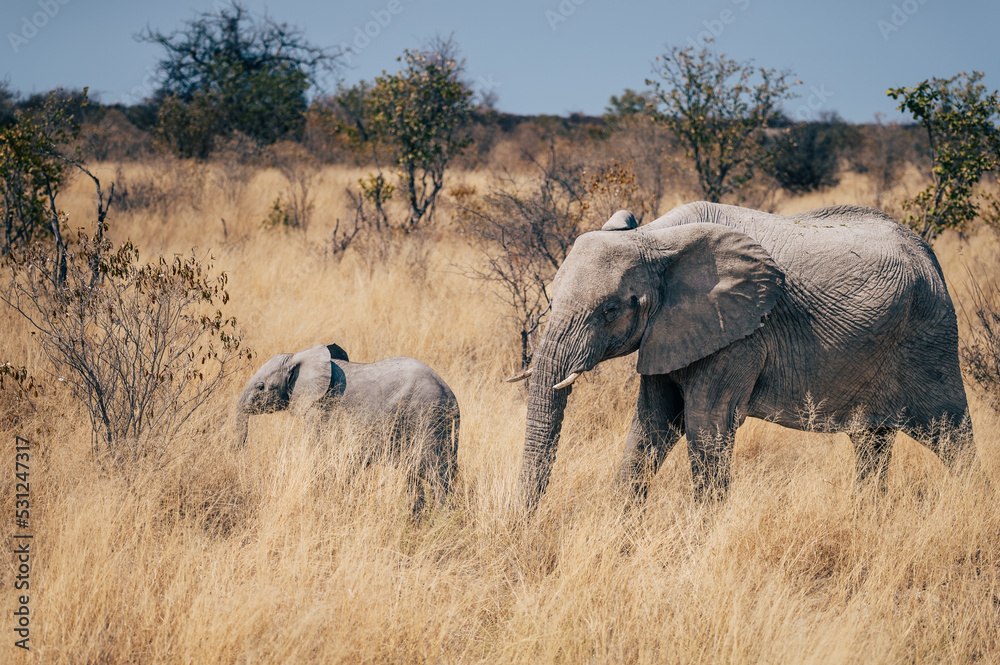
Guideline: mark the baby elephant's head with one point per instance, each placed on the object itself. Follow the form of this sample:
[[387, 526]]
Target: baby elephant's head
[[269, 389], [287, 380]]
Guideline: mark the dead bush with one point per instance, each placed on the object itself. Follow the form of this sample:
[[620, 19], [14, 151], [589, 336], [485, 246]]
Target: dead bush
[[523, 230], [301, 170], [142, 344], [162, 187], [980, 349]]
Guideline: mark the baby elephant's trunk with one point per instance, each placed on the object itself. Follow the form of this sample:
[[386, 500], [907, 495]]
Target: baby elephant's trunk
[[242, 426]]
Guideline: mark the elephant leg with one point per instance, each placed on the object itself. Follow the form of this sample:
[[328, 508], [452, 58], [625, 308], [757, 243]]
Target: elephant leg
[[416, 490], [951, 439], [434, 450], [711, 453], [717, 393], [438, 471], [446, 457], [412, 459], [657, 425], [711, 434], [872, 451]]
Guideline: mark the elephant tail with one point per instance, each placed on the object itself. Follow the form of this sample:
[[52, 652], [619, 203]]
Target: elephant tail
[[453, 425]]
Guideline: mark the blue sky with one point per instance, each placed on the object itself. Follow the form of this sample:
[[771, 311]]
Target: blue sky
[[548, 56]]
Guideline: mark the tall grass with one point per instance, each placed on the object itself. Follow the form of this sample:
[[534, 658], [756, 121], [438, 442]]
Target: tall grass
[[280, 552]]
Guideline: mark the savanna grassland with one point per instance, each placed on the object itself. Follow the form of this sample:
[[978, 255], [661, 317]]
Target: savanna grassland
[[281, 553]]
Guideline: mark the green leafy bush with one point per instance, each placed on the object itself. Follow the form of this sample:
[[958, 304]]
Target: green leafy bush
[[718, 108], [32, 169], [960, 118], [805, 158], [420, 113]]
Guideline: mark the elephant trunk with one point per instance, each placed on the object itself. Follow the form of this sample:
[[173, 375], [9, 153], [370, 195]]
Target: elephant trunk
[[242, 415], [546, 407], [242, 427]]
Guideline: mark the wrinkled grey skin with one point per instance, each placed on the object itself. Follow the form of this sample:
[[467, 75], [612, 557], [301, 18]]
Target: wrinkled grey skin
[[401, 391], [738, 313]]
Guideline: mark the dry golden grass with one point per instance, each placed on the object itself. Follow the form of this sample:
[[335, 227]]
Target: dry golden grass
[[277, 553]]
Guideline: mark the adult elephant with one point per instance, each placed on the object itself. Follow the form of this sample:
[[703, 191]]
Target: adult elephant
[[736, 313]]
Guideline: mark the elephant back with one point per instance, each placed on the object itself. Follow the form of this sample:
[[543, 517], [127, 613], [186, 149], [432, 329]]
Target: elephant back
[[849, 255], [395, 383]]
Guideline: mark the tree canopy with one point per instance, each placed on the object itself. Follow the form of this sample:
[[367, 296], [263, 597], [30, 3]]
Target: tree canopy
[[960, 117], [228, 71], [718, 108]]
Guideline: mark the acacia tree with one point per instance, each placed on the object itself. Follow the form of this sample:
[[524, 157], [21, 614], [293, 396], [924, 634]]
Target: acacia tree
[[230, 71], [960, 119], [718, 108], [420, 113]]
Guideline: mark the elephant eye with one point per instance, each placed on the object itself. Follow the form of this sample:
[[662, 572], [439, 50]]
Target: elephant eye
[[612, 311], [260, 386]]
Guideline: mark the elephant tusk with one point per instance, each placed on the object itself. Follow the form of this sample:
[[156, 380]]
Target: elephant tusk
[[520, 377], [567, 381]]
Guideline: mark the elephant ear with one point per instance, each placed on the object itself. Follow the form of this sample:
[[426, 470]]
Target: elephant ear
[[717, 284], [337, 353], [309, 377], [622, 220]]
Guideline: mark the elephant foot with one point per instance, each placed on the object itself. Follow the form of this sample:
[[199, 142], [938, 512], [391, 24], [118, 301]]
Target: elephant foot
[[711, 491], [711, 461], [872, 454]]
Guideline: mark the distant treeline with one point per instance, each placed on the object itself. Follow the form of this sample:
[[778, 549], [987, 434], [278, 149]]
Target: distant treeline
[[806, 155]]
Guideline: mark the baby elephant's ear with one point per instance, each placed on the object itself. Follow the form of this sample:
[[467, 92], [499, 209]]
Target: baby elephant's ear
[[622, 220], [309, 379], [337, 353]]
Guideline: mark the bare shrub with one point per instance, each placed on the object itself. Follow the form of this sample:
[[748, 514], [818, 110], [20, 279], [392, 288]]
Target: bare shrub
[[234, 164], [611, 187], [648, 147], [365, 227], [143, 344], [162, 187], [883, 153], [17, 388], [524, 228], [980, 350], [761, 193], [523, 231], [301, 170], [141, 194], [369, 222], [338, 241]]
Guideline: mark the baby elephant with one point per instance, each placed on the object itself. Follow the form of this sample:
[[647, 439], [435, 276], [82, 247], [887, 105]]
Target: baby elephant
[[401, 392]]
